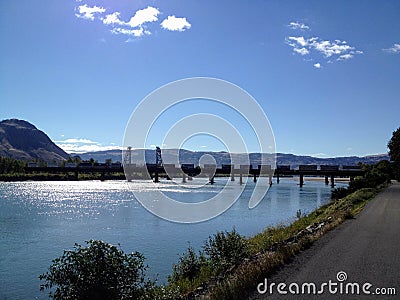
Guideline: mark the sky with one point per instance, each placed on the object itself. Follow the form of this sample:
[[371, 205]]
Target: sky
[[326, 73]]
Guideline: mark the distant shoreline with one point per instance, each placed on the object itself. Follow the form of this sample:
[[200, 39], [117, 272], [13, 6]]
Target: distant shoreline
[[90, 177]]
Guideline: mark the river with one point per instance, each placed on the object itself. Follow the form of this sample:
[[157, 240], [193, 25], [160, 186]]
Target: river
[[38, 220]]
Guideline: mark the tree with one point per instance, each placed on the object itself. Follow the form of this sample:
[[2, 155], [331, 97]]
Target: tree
[[92, 161], [108, 161], [98, 271], [394, 152], [394, 146]]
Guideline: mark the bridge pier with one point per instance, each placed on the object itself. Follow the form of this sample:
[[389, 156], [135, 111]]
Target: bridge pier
[[232, 176], [277, 178], [156, 179], [190, 178], [270, 179], [351, 178], [241, 178], [184, 178], [212, 181], [301, 180], [255, 177], [332, 181], [326, 180]]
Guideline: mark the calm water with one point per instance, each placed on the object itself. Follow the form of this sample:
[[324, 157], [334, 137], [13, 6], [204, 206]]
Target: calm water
[[38, 220]]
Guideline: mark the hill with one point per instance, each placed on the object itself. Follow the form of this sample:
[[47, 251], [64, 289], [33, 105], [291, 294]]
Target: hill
[[20, 139], [187, 156]]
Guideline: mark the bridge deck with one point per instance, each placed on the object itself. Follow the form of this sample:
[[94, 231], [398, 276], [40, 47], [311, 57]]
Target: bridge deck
[[196, 170]]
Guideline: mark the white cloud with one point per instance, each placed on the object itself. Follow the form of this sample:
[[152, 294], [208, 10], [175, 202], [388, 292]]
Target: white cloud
[[134, 32], [82, 141], [317, 65], [297, 25], [142, 16], [87, 12], [113, 19], [330, 50], [136, 26], [345, 56], [302, 51], [75, 148], [299, 40], [394, 49], [319, 155], [74, 145], [175, 24]]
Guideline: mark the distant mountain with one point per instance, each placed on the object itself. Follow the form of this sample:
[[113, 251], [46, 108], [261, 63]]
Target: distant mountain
[[21, 140], [193, 157]]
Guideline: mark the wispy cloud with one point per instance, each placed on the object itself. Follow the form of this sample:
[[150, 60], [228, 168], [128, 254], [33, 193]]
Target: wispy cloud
[[82, 141], [330, 50], [173, 23], [299, 40], [320, 155], [395, 49], [136, 26], [298, 25], [133, 32], [112, 19], [302, 51], [79, 145], [87, 12]]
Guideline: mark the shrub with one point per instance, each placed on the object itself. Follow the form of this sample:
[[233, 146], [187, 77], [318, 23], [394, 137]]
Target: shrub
[[340, 193], [188, 266], [226, 250], [98, 271]]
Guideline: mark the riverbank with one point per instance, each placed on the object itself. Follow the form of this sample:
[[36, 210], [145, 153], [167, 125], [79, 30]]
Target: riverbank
[[275, 247], [59, 177], [364, 249]]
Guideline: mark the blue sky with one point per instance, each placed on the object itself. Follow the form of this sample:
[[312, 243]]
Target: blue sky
[[326, 73]]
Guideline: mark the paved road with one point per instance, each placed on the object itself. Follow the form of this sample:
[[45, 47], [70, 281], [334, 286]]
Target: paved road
[[367, 249]]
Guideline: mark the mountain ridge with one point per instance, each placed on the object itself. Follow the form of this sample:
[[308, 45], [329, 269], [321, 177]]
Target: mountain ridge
[[21, 140], [221, 157]]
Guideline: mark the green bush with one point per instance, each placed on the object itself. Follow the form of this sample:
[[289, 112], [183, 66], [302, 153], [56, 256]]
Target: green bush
[[226, 250], [339, 193], [188, 266], [98, 271]]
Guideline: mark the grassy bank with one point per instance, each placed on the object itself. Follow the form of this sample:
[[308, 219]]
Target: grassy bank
[[277, 245], [229, 266]]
